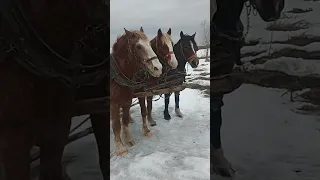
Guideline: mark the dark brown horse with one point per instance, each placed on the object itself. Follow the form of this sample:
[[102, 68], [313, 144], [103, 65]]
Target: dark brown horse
[[132, 61], [39, 72], [162, 45]]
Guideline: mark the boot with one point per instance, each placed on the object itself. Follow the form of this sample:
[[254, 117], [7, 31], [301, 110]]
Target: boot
[[220, 165]]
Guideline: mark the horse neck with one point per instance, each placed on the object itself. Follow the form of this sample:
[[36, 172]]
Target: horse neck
[[228, 14], [179, 56], [126, 62]]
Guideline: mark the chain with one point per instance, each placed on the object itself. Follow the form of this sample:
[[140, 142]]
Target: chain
[[249, 8]]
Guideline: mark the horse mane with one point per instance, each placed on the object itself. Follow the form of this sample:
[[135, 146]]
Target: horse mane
[[166, 38], [121, 39]]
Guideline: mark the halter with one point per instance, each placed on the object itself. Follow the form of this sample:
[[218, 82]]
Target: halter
[[190, 58], [122, 79], [165, 56]]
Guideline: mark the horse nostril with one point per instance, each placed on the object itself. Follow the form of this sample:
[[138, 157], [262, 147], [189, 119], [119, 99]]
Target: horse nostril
[[155, 69]]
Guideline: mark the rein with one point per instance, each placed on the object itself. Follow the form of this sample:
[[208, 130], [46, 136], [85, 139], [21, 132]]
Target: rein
[[165, 56], [183, 54], [33, 53], [122, 79]]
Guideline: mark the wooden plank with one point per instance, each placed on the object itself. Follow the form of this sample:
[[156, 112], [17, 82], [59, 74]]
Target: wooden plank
[[160, 91]]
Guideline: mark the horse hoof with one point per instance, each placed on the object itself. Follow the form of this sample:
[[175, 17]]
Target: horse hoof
[[224, 172], [148, 134], [153, 123], [166, 115], [130, 143], [178, 113], [122, 153]]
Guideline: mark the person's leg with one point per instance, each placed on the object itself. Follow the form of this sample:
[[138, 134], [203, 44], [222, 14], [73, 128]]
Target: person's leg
[[215, 126], [220, 165]]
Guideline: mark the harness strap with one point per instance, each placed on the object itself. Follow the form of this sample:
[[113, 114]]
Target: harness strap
[[120, 79], [37, 57]]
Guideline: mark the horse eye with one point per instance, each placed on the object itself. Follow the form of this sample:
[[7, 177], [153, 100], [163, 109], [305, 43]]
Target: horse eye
[[139, 46]]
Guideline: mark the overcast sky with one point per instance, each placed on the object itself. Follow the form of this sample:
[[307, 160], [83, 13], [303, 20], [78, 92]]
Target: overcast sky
[[179, 15]]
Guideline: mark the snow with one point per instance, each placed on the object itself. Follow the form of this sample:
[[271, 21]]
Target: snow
[[293, 66], [202, 53], [264, 139], [173, 145]]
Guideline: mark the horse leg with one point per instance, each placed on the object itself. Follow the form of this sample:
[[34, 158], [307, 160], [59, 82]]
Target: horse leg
[[131, 121], [143, 109], [149, 108], [15, 154], [51, 148], [125, 124], [177, 101], [120, 149], [166, 106], [99, 124]]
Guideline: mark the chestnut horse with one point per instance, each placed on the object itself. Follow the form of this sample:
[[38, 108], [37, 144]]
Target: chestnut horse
[[132, 61], [39, 72], [162, 45]]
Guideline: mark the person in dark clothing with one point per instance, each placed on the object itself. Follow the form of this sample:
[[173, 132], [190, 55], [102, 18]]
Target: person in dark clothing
[[229, 23]]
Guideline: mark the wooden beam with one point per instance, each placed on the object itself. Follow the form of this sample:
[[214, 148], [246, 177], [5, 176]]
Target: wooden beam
[[160, 91]]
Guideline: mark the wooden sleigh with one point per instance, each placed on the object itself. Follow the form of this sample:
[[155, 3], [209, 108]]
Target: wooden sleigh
[[101, 105]]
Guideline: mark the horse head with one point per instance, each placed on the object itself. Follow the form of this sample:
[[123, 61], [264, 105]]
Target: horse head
[[162, 44], [135, 49], [269, 10], [189, 49]]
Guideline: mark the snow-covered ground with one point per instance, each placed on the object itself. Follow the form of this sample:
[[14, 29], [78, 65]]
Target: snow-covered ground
[[178, 149], [293, 65], [265, 140]]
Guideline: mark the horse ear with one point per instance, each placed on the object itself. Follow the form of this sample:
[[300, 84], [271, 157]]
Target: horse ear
[[141, 29], [169, 31], [181, 34], [194, 35], [126, 31], [159, 33]]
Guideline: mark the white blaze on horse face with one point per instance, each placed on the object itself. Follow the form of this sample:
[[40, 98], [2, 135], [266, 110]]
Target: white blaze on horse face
[[173, 62], [192, 47], [154, 66]]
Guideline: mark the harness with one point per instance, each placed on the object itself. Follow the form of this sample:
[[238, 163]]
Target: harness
[[139, 78], [21, 41]]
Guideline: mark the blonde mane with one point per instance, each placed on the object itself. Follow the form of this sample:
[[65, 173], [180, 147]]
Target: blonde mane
[[140, 35], [166, 38], [137, 34]]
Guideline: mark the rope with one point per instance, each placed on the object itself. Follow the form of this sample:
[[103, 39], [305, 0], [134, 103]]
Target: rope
[[79, 125]]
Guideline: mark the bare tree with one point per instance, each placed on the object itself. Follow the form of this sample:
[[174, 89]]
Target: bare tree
[[205, 26]]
